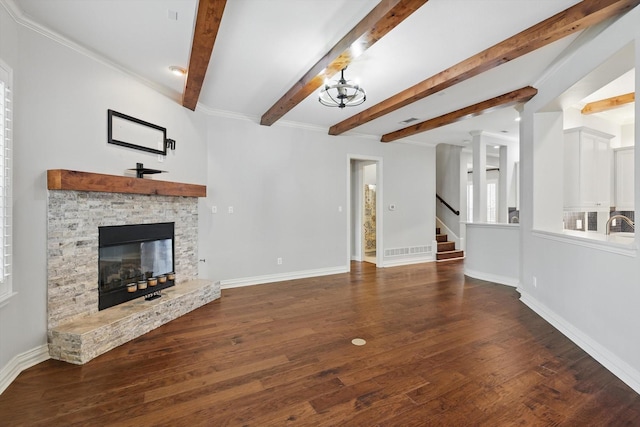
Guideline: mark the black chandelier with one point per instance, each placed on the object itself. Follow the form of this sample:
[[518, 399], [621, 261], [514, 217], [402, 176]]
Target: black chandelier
[[342, 93]]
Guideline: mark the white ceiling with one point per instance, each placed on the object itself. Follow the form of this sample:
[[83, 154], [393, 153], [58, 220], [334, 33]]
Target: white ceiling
[[264, 47]]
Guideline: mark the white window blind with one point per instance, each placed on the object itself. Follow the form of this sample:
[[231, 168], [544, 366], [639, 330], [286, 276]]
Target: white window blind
[[6, 121]]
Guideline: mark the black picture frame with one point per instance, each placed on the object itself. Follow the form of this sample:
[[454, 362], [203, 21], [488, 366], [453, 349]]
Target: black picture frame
[[130, 132]]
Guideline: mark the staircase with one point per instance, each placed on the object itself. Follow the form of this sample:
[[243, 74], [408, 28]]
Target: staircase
[[446, 249]]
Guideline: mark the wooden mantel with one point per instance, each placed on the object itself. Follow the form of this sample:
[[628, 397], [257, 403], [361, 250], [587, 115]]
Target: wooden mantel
[[61, 179]]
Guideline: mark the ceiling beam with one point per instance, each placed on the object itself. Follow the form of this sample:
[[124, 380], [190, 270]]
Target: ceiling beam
[[382, 19], [609, 103], [578, 17], [208, 21], [502, 101]]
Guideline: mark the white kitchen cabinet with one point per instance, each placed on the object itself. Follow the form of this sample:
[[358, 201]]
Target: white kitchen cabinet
[[623, 184], [587, 170]]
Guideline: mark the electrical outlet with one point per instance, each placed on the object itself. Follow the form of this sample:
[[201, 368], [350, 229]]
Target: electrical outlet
[[214, 209], [279, 261], [231, 209]]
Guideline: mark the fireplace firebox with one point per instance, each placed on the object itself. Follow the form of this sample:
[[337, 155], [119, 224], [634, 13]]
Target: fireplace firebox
[[134, 261]]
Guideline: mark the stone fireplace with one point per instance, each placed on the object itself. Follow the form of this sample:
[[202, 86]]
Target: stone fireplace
[[80, 205]]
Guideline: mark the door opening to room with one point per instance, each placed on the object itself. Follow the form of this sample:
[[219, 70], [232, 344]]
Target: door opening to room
[[365, 202], [369, 214]]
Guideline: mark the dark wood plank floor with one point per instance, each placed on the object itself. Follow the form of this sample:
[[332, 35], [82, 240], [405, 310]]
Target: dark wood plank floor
[[441, 349]]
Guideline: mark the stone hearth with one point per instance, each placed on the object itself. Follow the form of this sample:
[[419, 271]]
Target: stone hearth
[[78, 204], [85, 338]]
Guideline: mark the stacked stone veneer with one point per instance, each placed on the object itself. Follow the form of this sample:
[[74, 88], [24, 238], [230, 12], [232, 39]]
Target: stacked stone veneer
[[73, 219]]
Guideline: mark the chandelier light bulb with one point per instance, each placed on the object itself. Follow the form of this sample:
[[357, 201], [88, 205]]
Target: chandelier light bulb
[[341, 93]]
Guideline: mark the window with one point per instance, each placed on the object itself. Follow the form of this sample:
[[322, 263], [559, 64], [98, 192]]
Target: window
[[492, 201], [6, 76]]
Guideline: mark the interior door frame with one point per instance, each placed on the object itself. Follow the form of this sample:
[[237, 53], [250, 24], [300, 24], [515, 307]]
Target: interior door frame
[[351, 177]]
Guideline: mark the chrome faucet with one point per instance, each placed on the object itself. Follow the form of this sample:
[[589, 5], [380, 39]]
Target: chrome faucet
[[622, 217]]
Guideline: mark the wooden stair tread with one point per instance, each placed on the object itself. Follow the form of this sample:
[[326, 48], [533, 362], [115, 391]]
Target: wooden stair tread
[[446, 255], [446, 250], [446, 246]]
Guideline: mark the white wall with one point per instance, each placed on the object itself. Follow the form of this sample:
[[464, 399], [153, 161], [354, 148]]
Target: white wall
[[493, 252], [61, 99], [628, 136], [589, 292], [548, 166], [286, 186]]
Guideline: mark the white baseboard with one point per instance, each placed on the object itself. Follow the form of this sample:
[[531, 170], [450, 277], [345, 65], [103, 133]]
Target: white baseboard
[[21, 362], [270, 278], [503, 280], [610, 361], [396, 262]]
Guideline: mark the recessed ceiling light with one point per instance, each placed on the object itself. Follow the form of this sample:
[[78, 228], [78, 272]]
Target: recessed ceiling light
[[178, 71]]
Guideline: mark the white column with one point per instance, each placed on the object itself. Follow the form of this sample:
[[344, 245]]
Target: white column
[[463, 179], [479, 177], [503, 185]]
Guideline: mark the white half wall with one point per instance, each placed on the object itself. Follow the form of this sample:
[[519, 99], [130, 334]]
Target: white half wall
[[493, 252]]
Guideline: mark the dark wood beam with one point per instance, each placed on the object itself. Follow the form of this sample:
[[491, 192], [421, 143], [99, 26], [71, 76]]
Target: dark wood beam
[[204, 37], [502, 101], [382, 19], [609, 103], [578, 17]]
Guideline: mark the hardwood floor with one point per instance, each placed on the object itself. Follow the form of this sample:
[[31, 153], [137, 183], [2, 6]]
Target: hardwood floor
[[441, 349]]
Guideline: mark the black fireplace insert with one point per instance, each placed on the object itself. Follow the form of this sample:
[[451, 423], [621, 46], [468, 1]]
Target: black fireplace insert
[[134, 261]]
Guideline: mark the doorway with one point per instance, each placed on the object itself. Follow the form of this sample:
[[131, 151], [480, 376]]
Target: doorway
[[365, 201], [369, 213]]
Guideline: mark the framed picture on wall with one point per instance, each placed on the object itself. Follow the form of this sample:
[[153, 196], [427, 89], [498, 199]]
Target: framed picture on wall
[[134, 133]]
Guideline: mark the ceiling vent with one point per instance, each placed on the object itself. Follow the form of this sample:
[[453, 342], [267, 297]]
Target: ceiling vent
[[409, 120]]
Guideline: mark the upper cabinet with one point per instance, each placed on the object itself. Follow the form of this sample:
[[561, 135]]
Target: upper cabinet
[[587, 171]]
